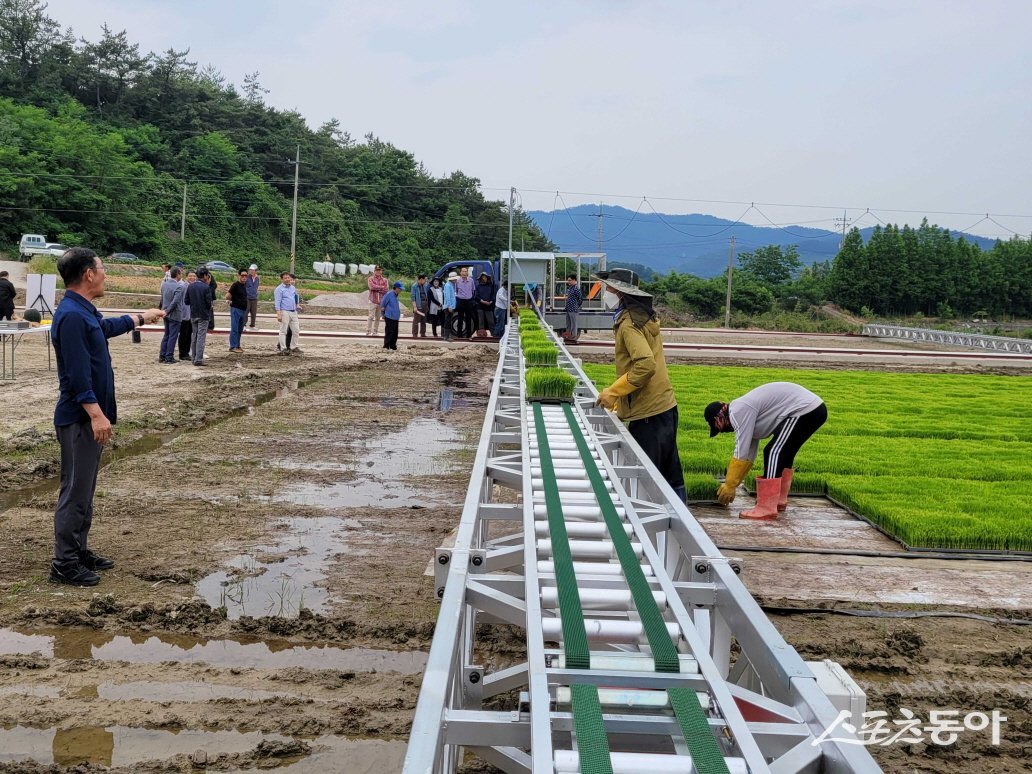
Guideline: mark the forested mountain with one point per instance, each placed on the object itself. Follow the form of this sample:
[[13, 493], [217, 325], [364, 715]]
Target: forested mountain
[[99, 143], [694, 244]]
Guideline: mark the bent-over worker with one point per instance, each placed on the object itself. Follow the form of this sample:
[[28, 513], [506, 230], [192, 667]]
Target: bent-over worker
[[788, 412], [642, 395]]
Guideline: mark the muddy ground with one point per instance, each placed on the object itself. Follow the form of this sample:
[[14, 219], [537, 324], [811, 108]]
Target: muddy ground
[[272, 518]]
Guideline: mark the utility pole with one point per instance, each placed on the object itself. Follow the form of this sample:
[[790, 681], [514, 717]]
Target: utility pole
[[843, 221], [730, 267], [182, 220], [508, 273], [600, 217], [293, 217]]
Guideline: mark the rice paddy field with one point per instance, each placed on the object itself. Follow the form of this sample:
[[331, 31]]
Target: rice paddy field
[[937, 460]]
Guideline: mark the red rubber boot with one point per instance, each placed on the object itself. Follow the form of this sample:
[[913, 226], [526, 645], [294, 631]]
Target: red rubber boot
[[768, 490], [786, 485]]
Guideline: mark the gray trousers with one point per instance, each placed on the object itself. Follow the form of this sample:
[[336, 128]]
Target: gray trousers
[[80, 462], [200, 335], [571, 324]]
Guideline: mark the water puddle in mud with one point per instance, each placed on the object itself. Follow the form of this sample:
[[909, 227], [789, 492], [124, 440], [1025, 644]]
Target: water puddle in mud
[[127, 746], [149, 443], [385, 461], [280, 579], [187, 649]]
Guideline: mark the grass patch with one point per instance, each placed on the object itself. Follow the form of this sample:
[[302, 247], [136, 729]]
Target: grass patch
[[939, 460]]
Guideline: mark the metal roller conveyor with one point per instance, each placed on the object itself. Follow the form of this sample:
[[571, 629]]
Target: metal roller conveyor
[[626, 609]]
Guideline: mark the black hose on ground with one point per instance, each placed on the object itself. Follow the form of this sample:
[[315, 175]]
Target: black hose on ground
[[777, 610], [967, 557]]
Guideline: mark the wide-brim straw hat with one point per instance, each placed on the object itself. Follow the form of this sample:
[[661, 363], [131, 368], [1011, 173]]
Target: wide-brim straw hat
[[624, 280]]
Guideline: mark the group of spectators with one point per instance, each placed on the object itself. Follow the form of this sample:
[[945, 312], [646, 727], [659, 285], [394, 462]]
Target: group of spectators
[[457, 308], [188, 300]]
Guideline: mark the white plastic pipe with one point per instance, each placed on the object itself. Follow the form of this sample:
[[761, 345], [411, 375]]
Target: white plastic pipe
[[573, 498], [624, 632], [569, 484], [605, 569], [633, 662], [599, 599], [580, 511], [579, 529], [568, 762], [588, 549], [630, 698]]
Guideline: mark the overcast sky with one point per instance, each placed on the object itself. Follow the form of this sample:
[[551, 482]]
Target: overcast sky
[[884, 104]]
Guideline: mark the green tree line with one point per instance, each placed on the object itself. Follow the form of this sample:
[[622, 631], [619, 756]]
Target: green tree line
[[899, 271], [907, 270], [98, 140]]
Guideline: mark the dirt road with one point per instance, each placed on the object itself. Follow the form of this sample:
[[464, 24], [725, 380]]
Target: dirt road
[[272, 518]]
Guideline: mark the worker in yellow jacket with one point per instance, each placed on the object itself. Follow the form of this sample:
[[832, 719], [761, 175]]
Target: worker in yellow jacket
[[642, 395]]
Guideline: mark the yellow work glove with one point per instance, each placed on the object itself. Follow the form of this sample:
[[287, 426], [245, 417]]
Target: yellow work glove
[[608, 397], [736, 471]]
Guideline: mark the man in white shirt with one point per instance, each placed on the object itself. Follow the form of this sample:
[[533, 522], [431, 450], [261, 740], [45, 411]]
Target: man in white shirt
[[788, 412], [285, 301]]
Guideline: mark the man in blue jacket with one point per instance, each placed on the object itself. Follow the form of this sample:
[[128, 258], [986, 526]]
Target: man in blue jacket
[[391, 315], [85, 410]]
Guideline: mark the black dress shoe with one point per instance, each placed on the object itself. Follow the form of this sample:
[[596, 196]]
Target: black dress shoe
[[92, 561], [73, 574]]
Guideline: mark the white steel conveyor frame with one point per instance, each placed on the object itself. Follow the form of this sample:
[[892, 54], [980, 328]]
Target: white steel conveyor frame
[[765, 710]]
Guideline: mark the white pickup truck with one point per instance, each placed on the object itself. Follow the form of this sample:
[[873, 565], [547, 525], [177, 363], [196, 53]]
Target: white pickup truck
[[37, 244]]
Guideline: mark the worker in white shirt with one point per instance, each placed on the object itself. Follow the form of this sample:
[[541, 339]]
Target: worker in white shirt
[[788, 412]]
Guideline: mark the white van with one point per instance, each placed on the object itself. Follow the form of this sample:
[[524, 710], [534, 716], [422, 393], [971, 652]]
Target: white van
[[32, 244]]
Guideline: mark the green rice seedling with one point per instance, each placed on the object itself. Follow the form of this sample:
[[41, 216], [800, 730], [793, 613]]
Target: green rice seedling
[[536, 357], [549, 384], [700, 487], [913, 453], [535, 340]]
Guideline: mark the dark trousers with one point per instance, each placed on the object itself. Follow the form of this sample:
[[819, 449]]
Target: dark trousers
[[780, 451], [500, 316], [485, 317], [657, 436], [169, 339], [185, 339], [6, 311], [252, 309], [80, 462], [390, 333], [447, 318], [418, 324], [467, 317]]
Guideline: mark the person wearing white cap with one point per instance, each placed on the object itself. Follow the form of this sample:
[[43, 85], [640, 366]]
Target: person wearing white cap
[[642, 394], [450, 302], [251, 286]]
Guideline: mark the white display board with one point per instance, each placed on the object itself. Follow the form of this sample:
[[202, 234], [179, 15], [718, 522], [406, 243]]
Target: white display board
[[40, 292]]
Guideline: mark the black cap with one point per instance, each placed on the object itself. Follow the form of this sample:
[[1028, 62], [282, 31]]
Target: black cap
[[711, 415]]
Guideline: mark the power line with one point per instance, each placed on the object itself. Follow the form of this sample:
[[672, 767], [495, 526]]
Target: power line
[[597, 196]]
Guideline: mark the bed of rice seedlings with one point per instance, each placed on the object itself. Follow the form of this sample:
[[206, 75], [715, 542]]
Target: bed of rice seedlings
[[938, 460], [536, 357], [549, 384], [535, 339], [529, 317]]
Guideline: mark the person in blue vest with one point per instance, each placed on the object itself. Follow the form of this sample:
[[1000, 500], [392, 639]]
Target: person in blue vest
[[391, 316]]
